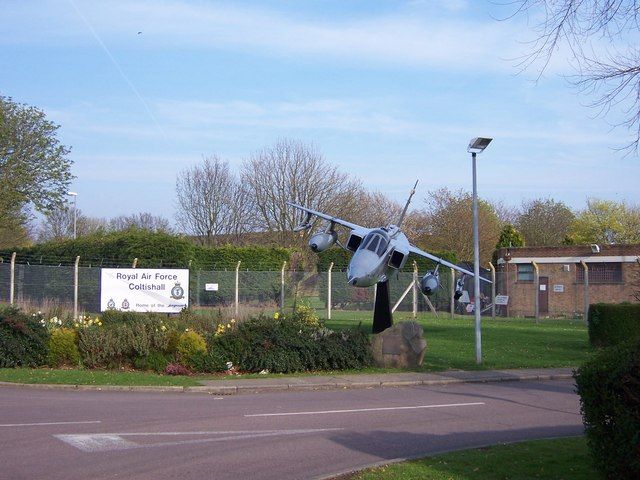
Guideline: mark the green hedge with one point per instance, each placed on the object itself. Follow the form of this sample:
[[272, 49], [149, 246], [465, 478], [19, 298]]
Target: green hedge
[[153, 250], [609, 389], [23, 339], [610, 324]]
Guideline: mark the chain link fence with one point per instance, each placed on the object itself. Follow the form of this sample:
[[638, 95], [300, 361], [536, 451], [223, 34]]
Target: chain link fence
[[243, 292]]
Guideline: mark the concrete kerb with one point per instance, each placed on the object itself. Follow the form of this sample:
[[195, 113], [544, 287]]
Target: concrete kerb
[[252, 386]]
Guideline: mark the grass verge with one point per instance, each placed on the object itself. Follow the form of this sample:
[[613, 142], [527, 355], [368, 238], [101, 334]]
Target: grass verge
[[506, 342], [565, 458]]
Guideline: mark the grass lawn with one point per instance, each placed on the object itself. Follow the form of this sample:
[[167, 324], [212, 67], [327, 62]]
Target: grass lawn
[[506, 342], [558, 459], [92, 377]]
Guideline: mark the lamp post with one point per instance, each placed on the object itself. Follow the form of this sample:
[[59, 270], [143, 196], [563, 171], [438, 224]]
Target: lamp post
[[476, 145], [75, 213]]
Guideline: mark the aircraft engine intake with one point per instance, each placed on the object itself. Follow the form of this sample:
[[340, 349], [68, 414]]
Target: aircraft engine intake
[[319, 242], [430, 283]]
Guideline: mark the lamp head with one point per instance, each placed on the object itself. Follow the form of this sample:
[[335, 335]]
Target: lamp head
[[478, 144]]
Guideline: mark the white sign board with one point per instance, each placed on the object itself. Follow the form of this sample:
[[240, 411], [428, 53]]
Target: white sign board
[[502, 299], [558, 288], [211, 287], [144, 289], [543, 288]]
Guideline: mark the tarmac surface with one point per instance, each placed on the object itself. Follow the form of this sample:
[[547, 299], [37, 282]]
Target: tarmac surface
[[239, 385], [311, 427]]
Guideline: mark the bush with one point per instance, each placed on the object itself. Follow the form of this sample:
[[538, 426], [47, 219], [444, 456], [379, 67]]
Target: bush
[[176, 369], [155, 361], [23, 339], [190, 345], [63, 348], [609, 389], [289, 344], [118, 343], [610, 324]]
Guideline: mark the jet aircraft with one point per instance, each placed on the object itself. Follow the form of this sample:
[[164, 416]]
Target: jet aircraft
[[377, 253]]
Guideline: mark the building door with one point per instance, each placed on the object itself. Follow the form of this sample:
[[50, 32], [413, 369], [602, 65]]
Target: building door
[[543, 295]]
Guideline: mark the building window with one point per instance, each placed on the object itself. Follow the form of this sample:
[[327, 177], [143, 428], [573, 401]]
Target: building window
[[525, 272], [600, 273]]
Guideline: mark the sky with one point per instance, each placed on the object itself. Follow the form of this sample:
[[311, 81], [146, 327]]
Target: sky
[[388, 91]]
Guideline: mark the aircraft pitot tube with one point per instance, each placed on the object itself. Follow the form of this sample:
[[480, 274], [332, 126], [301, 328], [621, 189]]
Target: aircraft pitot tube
[[320, 241], [430, 283]]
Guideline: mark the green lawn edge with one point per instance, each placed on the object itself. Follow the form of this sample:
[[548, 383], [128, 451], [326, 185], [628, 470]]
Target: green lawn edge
[[555, 459]]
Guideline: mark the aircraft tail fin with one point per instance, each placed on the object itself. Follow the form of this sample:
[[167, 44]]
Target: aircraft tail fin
[[404, 212]]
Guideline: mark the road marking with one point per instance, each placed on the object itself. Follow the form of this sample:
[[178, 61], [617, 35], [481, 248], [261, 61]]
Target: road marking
[[46, 423], [380, 409], [104, 442]]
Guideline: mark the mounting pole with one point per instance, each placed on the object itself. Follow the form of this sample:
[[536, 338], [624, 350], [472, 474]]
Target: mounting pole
[[493, 290], [237, 284], [329, 291], [12, 284], [76, 269], [284, 264], [586, 291]]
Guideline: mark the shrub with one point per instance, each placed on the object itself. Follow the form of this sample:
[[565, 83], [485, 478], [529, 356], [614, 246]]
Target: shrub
[[609, 389], [119, 343], [156, 361], [63, 348], [23, 339], [189, 345], [288, 344], [610, 324], [176, 369], [211, 361]]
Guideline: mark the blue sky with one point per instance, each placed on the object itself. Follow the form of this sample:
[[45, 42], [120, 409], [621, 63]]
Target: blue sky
[[389, 91]]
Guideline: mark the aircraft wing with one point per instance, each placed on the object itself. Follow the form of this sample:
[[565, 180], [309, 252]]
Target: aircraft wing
[[439, 260], [329, 218]]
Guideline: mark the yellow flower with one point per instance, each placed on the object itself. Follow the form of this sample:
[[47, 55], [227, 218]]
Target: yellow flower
[[276, 315], [233, 320], [228, 325]]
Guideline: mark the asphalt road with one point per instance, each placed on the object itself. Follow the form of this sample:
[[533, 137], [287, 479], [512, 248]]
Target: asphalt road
[[58, 434]]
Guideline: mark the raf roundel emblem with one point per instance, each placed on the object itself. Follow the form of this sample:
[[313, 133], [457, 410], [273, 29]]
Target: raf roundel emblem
[[125, 304], [177, 292], [111, 304]]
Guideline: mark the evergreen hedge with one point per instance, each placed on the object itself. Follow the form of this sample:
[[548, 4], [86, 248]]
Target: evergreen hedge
[[609, 389], [153, 250], [610, 324], [23, 339]]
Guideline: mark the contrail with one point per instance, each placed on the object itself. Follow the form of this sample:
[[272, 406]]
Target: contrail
[[117, 65]]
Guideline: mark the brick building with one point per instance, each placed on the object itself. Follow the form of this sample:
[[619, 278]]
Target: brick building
[[558, 276]]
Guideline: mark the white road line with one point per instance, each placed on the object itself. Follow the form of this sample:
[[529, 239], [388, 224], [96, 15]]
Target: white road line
[[104, 442], [46, 423], [380, 409]]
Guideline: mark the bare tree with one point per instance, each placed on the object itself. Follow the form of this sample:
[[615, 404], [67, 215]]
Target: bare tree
[[612, 73], [142, 221], [295, 172], [544, 222], [212, 201], [448, 224], [58, 224]]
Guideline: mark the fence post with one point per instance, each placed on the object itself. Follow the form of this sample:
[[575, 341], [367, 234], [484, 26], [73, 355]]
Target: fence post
[[75, 287], [536, 284], [586, 291], [453, 292], [415, 290], [284, 264], [493, 290], [237, 284], [12, 280], [329, 291], [135, 263]]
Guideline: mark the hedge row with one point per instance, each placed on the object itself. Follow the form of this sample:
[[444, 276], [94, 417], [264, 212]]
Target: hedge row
[[152, 250], [609, 389], [181, 344], [610, 324]]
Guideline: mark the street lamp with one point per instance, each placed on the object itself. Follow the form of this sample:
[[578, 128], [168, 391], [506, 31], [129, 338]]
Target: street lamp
[[476, 145], [75, 213]]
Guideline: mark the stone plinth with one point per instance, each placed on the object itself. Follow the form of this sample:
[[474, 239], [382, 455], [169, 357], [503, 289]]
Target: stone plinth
[[400, 346]]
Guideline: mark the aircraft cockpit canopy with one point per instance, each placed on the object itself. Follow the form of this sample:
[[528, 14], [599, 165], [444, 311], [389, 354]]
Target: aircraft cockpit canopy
[[376, 241]]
